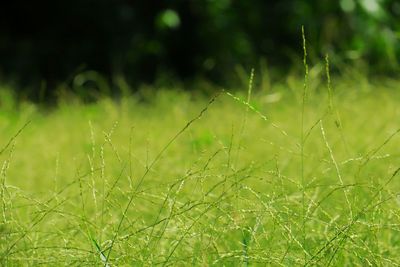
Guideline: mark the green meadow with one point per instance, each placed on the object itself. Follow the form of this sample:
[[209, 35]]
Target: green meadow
[[294, 172]]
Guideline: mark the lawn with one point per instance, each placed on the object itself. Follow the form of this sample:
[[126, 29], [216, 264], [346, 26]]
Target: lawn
[[275, 177]]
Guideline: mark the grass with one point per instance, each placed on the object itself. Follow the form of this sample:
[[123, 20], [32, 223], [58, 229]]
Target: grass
[[268, 178]]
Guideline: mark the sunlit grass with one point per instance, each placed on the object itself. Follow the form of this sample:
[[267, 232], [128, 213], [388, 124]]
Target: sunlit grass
[[150, 181]]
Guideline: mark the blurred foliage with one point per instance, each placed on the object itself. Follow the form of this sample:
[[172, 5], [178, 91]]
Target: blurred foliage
[[44, 43]]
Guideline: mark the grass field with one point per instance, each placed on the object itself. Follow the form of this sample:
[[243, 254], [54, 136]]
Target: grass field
[[272, 178]]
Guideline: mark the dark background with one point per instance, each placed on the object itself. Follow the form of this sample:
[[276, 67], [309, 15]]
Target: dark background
[[46, 43]]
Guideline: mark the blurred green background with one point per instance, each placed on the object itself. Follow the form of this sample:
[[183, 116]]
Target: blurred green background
[[47, 43]]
